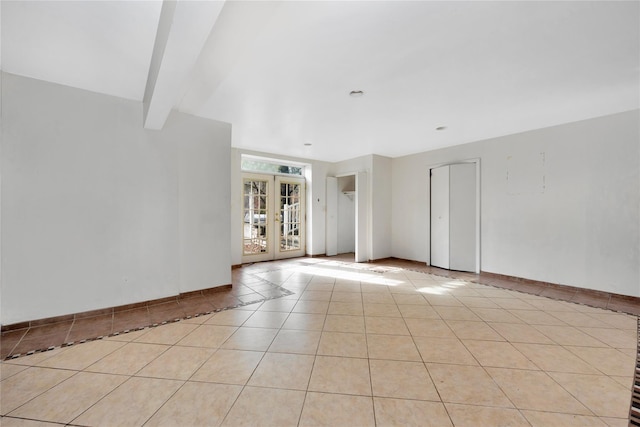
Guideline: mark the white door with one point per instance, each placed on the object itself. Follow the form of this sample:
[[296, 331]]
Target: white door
[[273, 217], [453, 217], [462, 217], [440, 217], [290, 217]]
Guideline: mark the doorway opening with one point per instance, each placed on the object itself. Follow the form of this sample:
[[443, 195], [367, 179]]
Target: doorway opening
[[347, 215]]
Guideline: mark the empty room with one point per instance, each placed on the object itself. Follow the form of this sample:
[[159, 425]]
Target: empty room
[[302, 213]]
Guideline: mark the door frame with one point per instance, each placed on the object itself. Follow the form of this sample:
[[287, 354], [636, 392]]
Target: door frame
[[477, 162], [362, 195], [273, 220]]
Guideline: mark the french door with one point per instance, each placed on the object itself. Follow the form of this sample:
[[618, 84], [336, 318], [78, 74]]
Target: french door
[[273, 217]]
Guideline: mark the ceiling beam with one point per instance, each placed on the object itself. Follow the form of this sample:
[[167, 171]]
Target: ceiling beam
[[183, 29], [230, 44]]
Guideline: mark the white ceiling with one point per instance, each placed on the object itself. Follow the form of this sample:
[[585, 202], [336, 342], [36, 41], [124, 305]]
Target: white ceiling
[[101, 46], [281, 72]]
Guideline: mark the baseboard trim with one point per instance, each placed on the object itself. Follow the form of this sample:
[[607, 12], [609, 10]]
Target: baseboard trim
[[592, 297], [551, 285], [112, 310]]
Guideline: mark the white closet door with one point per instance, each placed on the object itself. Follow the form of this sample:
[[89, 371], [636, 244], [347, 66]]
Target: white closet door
[[332, 217], [440, 217], [462, 217]]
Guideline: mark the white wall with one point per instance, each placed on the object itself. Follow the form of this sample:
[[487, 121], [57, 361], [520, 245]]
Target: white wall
[[98, 212], [381, 192], [559, 204], [204, 199], [95, 208], [351, 166], [379, 175]]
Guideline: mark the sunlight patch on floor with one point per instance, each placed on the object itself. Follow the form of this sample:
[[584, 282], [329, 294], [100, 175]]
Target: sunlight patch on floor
[[358, 276]]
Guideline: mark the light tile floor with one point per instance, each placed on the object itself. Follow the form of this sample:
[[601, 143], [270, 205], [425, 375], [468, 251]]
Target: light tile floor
[[353, 346]]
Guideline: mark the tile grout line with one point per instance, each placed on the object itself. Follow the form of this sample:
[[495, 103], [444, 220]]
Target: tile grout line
[[73, 322], [366, 343], [315, 357], [45, 391], [77, 372], [484, 368], [246, 384], [102, 398]]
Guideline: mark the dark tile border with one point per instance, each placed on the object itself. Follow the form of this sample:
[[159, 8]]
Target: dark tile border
[[151, 304], [634, 409]]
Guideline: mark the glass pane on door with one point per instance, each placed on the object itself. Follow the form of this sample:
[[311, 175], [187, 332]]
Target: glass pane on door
[[255, 213], [290, 216]]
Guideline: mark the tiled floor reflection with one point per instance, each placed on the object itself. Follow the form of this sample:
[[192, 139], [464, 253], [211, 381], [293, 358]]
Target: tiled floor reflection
[[352, 345]]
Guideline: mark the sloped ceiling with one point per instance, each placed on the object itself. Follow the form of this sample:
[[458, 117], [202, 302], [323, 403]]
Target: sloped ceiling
[[281, 72], [101, 46]]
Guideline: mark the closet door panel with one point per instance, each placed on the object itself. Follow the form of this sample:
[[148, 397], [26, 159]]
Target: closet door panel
[[440, 217], [462, 217]]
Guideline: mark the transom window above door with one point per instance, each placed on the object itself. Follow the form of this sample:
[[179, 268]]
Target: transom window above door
[[260, 165]]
